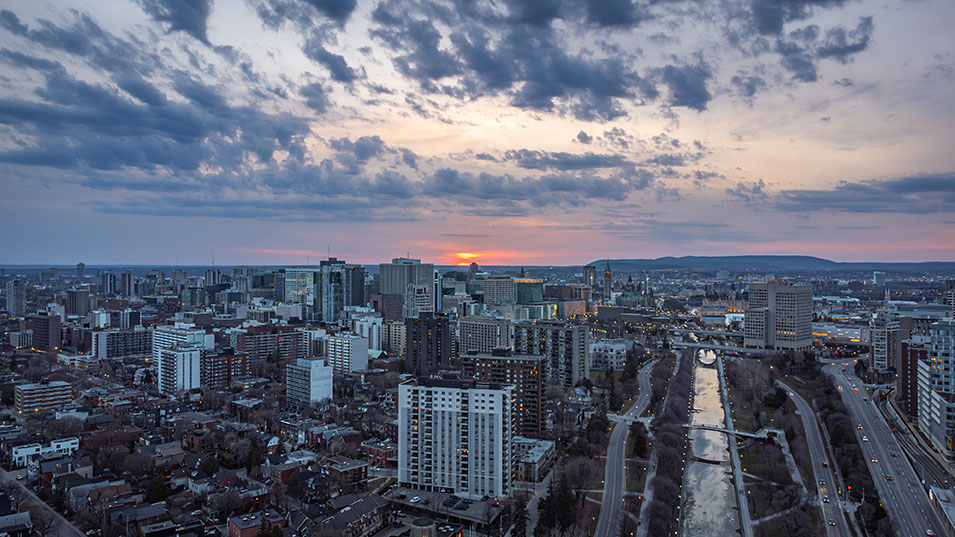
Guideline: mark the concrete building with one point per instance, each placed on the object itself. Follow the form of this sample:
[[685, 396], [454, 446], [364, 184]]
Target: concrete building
[[127, 284], [525, 373], [499, 290], [117, 343], [914, 351], [778, 316], [78, 302], [608, 354], [217, 370], [456, 436], [885, 335], [42, 397], [936, 389], [282, 344], [418, 300], [564, 346], [347, 353], [370, 329], [180, 368], [590, 276], [528, 290], [395, 277], [302, 286], [394, 338], [308, 382], [878, 278], [483, 333], [46, 331], [16, 293], [427, 344], [107, 283]]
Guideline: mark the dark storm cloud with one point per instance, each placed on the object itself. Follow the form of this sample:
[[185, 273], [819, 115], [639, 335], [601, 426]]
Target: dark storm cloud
[[545, 160], [536, 12], [614, 12], [797, 61], [929, 193], [687, 85], [188, 16]]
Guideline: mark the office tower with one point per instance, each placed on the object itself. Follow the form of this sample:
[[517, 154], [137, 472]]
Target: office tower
[[427, 344], [347, 353], [498, 290], [341, 285], [242, 278], [42, 397], [914, 351], [482, 333], [179, 277], [80, 271], [46, 331], [16, 298], [394, 338], [216, 370], [525, 373], [107, 283], [303, 286], [590, 276], [438, 292], [528, 290], [129, 319], [54, 273], [472, 270], [270, 343], [936, 389], [212, 276], [608, 282], [179, 368], [563, 346], [118, 343], [950, 297], [418, 300], [308, 382], [78, 302], [354, 286], [391, 307], [878, 278], [455, 435], [370, 329], [778, 316], [402, 272], [885, 340], [127, 284]]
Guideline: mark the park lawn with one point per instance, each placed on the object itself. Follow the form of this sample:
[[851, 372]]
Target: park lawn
[[636, 476], [769, 467], [743, 412]]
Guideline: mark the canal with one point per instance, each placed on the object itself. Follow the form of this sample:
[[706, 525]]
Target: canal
[[710, 506]]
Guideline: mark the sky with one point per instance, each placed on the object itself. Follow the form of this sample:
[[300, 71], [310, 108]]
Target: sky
[[522, 132]]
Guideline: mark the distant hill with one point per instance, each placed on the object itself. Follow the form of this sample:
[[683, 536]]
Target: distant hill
[[768, 263]]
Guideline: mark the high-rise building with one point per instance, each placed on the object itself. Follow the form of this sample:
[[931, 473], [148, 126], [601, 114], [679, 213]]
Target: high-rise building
[[274, 343], [16, 298], [427, 344], [498, 290], [936, 389], [341, 285], [180, 368], [80, 271], [242, 278], [563, 346], [914, 351], [878, 278], [107, 283], [950, 297], [402, 272], [303, 286], [418, 300], [525, 373], [347, 353], [217, 370], [117, 343], [394, 338], [483, 334], [308, 382], [46, 331], [127, 284], [778, 316], [389, 306], [456, 435], [42, 397], [528, 290], [78, 302], [607, 290], [370, 329], [885, 337], [212, 276], [130, 319], [171, 337], [590, 276]]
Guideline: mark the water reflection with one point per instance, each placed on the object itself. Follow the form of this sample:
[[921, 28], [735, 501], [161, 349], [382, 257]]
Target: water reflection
[[711, 503]]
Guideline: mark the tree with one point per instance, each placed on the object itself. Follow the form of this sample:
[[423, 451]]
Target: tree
[[580, 473], [641, 446], [43, 521], [62, 428], [254, 457], [210, 465], [520, 517], [156, 490]]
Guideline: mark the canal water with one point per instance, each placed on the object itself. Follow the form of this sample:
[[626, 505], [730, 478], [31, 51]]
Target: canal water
[[710, 507]]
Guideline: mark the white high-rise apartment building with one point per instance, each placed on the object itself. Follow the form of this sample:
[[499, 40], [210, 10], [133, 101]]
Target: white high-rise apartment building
[[456, 436], [347, 353], [170, 337], [308, 381], [16, 298], [884, 337], [179, 368], [483, 333], [778, 316], [565, 348], [936, 389], [370, 329]]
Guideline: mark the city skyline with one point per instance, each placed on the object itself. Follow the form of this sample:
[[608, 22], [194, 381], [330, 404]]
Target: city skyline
[[269, 131]]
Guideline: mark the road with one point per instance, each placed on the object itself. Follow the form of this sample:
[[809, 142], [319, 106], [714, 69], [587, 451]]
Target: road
[[834, 509], [615, 476], [61, 526], [904, 498]]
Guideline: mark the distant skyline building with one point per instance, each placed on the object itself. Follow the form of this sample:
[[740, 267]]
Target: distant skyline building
[[395, 277], [78, 302], [107, 283], [778, 316], [127, 284], [590, 276], [80, 271], [16, 298], [498, 289]]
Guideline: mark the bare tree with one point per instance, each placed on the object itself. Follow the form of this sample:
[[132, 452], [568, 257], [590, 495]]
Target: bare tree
[[43, 521]]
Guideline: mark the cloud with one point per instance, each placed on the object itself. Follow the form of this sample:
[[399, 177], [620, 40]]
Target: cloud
[[584, 138], [614, 12], [335, 63], [687, 85], [543, 160], [747, 85], [189, 16], [316, 97], [841, 44], [748, 191], [925, 193], [363, 148]]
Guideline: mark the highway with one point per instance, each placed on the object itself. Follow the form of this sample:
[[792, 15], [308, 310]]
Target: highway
[[615, 477], [832, 510], [903, 496]]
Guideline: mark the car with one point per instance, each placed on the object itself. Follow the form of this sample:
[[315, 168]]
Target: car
[[855, 389], [20, 477], [825, 464], [865, 438], [485, 498], [416, 499], [859, 426], [894, 454], [822, 482], [888, 478], [825, 499], [865, 398], [875, 459], [930, 532], [832, 522]]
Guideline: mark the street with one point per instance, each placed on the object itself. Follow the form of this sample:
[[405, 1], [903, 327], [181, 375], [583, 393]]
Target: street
[[897, 482], [61, 526], [615, 476]]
